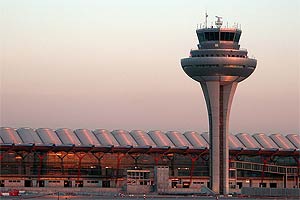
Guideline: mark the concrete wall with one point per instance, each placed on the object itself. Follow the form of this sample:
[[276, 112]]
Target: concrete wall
[[14, 183], [54, 183]]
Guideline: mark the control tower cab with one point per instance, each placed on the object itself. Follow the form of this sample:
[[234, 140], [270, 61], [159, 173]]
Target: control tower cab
[[218, 57]]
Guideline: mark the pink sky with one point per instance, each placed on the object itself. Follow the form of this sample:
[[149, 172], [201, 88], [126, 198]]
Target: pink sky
[[116, 65]]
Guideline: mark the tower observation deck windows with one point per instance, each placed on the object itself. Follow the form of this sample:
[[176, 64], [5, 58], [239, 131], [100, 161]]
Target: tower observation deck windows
[[237, 37], [212, 36], [217, 36], [227, 36], [201, 37]]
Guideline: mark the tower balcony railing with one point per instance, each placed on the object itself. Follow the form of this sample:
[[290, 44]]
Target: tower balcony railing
[[240, 49], [241, 165]]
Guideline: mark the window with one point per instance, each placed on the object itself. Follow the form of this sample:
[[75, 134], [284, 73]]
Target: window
[[206, 36], [215, 35], [28, 183], [230, 37], [212, 36], [183, 171], [108, 171], [239, 184], [227, 36], [201, 37], [273, 185], [67, 183], [14, 181], [78, 183], [186, 184], [174, 184], [222, 35], [92, 181], [232, 185], [200, 183], [237, 37], [232, 174], [54, 181], [262, 185], [106, 184], [138, 177]]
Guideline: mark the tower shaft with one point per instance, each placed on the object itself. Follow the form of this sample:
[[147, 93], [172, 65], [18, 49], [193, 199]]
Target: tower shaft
[[218, 99]]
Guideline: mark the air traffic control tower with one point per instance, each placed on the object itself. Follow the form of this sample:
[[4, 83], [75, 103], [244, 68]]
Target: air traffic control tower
[[218, 65]]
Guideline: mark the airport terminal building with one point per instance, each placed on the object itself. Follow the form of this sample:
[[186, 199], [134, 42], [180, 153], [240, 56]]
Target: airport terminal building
[[142, 162]]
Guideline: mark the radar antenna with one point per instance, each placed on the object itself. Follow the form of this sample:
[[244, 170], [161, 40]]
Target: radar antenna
[[218, 23]]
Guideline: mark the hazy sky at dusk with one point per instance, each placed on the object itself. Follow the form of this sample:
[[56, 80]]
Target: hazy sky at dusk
[[116, 64]]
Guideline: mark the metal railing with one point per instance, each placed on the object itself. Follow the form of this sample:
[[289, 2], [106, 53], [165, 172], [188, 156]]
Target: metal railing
[[241, 165]]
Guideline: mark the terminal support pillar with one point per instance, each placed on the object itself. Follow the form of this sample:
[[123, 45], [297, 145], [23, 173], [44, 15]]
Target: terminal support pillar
[[157, 157], [263, 171], [119, 158], [135, 157], [80, 156], [41, 157], [218, 97], [194, 158], [265, 160], [61, 156], [171, 157], [98, 156]]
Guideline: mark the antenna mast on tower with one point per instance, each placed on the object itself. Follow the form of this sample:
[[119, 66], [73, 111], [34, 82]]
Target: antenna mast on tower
[[206, 19]]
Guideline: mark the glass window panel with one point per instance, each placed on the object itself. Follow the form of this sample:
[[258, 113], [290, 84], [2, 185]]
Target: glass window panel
[[227, 36], [216, 36], [222, 35], [231, 35], [237, 37], [211, 36], [201, 37], [206, 36]]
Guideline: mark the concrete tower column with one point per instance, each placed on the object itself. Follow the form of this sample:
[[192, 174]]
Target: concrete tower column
[[218, 99]]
